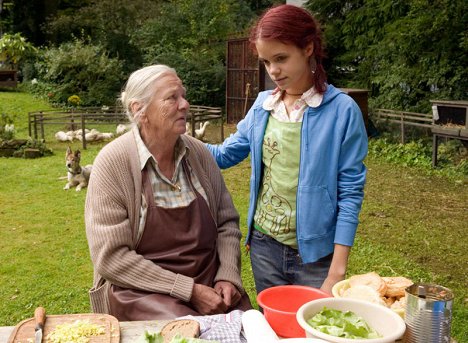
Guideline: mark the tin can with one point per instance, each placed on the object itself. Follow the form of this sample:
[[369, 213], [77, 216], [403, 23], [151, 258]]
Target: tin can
[[428, 313]]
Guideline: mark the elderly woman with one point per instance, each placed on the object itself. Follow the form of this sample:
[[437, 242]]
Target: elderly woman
[[161, 226]]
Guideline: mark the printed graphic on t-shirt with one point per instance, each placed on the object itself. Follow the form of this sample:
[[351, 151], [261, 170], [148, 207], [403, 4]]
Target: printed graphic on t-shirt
[[275, 210]]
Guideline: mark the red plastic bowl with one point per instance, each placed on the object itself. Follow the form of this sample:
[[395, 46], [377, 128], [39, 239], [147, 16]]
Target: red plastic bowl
[[280, 304]]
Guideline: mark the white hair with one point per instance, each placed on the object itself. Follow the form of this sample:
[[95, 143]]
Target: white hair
[[140, 89]]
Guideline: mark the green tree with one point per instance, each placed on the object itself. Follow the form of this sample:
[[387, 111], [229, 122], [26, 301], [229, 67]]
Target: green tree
[[82, 69], [5, 16], [29, 16], [14, 47], [190, 35], [259, 6], [405, 51], [108, 23]]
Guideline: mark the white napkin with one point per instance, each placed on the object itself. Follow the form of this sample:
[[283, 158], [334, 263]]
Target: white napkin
[[257, 329], [225, 328]]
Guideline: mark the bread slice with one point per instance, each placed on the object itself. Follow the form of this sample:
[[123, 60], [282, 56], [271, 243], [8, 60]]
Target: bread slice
[[371, 279], [187, 328], [364, 292], [396, 285], [399, 304]]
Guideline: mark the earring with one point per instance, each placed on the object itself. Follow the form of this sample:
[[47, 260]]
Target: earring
[[313, 65]]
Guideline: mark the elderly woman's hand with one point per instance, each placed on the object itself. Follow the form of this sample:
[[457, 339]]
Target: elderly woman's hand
[[206, 300], [230, 294]]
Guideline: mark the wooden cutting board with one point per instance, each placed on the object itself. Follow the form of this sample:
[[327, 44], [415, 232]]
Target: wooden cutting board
[[24, 331]]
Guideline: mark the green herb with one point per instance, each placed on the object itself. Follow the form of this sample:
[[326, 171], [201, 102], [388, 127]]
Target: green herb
[[153, 337], [345, 324]]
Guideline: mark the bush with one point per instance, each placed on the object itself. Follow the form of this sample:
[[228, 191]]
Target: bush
[[453, 156], [415, 153], [25, 148], [37, 144], [78, 69]]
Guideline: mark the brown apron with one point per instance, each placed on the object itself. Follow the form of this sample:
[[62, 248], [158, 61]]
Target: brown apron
[[182, 240]]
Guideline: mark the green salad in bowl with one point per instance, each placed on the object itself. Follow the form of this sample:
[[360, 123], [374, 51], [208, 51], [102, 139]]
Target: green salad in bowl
[[344, 324], [345, 320]]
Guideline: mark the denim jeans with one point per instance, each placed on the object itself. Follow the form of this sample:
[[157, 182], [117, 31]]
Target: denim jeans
[[274, 264]]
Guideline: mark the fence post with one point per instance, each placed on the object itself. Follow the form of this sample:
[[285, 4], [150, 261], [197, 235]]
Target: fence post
[[29, 124], [42, 127], [35, 125], [72, 122], [402, 128], [435, 147], [192, 123], [83, 132], [222, 127]]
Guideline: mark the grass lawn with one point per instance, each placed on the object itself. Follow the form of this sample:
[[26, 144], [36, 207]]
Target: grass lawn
[[412, 224]]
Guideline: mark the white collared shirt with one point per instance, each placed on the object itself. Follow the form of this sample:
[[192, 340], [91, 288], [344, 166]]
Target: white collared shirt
[[277, 108]]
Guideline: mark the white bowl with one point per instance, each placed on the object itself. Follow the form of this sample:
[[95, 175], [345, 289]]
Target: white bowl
[[385, 321]]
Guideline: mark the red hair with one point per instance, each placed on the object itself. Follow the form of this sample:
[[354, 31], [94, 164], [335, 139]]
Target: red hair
[[293, 25]]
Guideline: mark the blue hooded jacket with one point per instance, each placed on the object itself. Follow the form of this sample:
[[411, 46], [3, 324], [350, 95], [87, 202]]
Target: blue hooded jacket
[[331, 169]]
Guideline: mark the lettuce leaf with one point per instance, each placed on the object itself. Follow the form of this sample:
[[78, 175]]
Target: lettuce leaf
[[345, 324], [153, 337]]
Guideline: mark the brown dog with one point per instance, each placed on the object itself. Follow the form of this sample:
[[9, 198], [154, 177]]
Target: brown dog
[[77, 176]]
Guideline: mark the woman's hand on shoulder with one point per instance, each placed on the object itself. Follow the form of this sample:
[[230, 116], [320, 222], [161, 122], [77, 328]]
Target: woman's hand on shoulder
[[206, 300], [230, 294]]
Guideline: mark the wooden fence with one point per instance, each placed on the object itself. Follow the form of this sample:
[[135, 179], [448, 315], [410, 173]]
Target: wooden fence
[[200, 114], [83, 118], [404, 119], [421, 120], [73, 120]]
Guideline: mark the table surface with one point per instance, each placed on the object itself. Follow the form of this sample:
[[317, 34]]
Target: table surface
[[129, 331]]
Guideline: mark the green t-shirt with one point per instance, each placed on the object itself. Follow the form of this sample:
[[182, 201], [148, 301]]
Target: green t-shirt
[[276, 205]]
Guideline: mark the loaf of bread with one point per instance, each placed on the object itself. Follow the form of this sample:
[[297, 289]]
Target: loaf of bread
[[386, 290], [364, 292], [371, 279], [184, 327], [396, 285]]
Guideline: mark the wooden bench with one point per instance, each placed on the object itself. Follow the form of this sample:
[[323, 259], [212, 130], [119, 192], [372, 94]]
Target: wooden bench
[[403, 118]]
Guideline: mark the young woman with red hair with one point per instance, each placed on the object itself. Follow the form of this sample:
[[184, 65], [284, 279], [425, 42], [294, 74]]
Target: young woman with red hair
[[307, 142]]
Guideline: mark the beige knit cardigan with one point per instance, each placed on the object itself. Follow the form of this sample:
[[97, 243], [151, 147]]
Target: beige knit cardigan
[[112, 211]]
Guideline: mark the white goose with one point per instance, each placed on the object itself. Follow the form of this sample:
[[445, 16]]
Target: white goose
[[63, 137], [200, 133], [122, 128]]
